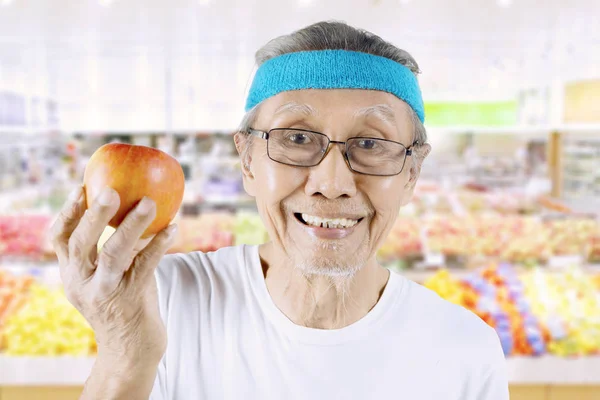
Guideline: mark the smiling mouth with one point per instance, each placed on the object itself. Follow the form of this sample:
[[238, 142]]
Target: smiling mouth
[[331, 223]]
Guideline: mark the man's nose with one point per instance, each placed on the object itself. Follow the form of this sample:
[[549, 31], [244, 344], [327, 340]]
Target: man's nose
[[333, 177]]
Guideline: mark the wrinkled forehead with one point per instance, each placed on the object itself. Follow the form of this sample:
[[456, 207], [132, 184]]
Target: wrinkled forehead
[[349, 107]]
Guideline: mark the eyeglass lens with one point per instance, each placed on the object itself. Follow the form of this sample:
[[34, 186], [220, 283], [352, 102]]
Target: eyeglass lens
[[301, 148]]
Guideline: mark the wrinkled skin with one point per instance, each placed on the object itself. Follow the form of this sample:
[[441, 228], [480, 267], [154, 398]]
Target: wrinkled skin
[[114, 290], [328, 189]]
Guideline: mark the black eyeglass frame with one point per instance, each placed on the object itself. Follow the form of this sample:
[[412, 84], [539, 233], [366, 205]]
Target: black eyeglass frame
[[265, 135]]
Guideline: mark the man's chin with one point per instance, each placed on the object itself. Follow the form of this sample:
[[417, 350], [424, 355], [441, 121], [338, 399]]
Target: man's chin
[[332, 265], [335, 258]]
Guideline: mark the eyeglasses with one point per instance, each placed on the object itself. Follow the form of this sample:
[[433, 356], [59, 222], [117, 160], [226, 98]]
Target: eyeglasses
[[365, 155]]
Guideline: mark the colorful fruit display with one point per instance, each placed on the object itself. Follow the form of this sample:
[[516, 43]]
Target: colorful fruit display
[[479, 200], [403, 241], [47, 325], [13, 294], [596, 281], [208, 232], [515, 239], [24, 236], [463, 240], [451, 236], [569, 303], [249, 229], [534, 311], [571, 236], [593, 249]]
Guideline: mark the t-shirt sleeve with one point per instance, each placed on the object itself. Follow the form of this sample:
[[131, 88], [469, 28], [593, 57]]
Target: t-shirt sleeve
[[163, 283], [494, 383], [159, 390]]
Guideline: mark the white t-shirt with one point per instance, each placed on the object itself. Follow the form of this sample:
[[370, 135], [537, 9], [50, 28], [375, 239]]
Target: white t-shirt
[[228, 340]]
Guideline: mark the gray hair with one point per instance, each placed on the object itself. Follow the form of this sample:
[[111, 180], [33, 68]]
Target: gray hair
[[333, 35]]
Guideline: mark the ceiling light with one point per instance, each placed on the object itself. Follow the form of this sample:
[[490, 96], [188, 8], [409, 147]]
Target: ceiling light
[[105, 3], [305, 3], [5, 3], [404, 2], [204, 2], [504, 3]]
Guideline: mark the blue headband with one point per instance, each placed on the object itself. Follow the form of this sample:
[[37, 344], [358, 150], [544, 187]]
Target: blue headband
[[335, 69]]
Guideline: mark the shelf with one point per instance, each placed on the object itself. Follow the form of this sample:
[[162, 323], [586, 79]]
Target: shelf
[[579, 128], [150, 132], [420, 276], [517, 130], [44, 371], [73, 371], [27, 130], [477, 130], [550, 370], [495, 130], [48, 272], [13, 129]]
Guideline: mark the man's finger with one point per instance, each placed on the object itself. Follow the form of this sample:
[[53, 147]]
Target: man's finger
[[84, 240], [118, 252], [65, 224], [148, 259]]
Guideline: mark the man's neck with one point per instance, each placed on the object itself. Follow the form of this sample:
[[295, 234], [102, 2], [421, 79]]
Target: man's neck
[[322, 301]]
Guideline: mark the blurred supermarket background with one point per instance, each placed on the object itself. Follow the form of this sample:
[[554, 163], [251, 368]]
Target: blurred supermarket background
[[510, 229]]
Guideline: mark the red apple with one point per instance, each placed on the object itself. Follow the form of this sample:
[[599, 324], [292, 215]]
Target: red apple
[[135, 172]]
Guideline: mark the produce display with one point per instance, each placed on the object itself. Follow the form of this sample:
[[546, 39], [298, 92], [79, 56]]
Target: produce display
[[404, 240], [135, 172], [46, 324], [24, 236], [511, 238], [448, 235], [205, 233], [249, 229], [472, 198], [534, 311], [571, 236], [13, 294], [476, 201], [526, 240], [570, 304], [593, 251]]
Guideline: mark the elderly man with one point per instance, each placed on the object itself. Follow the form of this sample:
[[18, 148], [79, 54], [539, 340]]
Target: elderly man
[[331, 148]]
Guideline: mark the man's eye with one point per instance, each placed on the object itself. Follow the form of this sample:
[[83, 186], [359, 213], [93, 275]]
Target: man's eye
[[299, 138], [367, 144]]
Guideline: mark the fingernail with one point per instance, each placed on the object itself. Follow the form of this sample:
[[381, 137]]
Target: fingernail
[[172, 230], [75, 194], [145, 205], [106, 196]]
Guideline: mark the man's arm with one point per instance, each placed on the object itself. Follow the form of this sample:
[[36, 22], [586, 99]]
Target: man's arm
[[117, 378], [115, 290]]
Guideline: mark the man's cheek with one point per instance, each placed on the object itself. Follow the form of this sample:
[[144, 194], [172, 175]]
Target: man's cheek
[[281, 180]]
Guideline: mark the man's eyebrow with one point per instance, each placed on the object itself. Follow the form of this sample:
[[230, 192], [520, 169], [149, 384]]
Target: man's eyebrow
[[297, 108], [381, 111]]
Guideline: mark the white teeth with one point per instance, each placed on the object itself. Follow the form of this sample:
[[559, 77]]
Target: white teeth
[[337, 223]]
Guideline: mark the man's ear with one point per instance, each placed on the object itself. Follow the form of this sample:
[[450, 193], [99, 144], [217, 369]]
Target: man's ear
[[242, 146], [418, 156]]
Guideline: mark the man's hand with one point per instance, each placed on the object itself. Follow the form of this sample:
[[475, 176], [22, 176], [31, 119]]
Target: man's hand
[[115, 289]]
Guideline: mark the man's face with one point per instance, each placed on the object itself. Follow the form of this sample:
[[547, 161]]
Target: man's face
[[292, 201]]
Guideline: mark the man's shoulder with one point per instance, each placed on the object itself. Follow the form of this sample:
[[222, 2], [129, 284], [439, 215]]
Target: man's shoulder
[[200, 269], [450, 325]]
